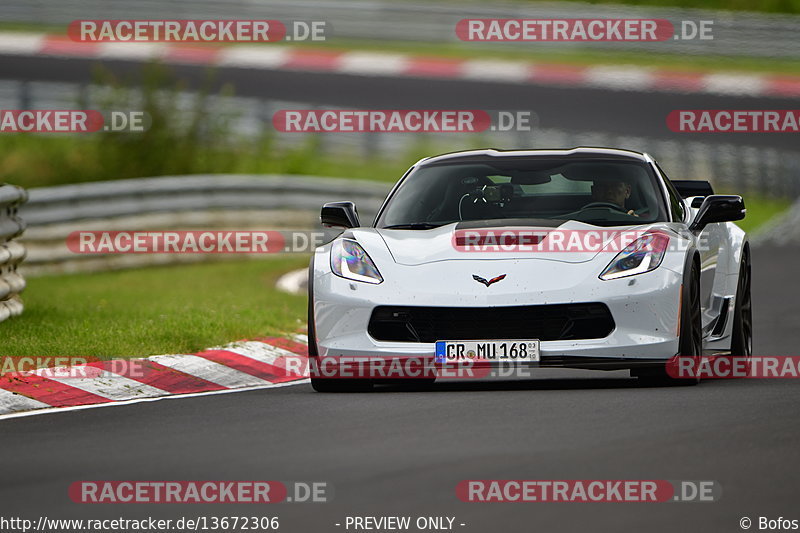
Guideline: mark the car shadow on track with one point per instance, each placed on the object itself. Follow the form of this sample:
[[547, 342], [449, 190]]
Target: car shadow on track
[[518, 384]]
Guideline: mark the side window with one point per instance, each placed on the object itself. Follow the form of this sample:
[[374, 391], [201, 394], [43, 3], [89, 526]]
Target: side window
[[675, 201]]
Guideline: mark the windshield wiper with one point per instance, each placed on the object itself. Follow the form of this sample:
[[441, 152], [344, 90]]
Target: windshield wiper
[[415, 225]]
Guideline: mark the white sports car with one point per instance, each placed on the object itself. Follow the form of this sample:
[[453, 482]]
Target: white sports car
[[585, 258]]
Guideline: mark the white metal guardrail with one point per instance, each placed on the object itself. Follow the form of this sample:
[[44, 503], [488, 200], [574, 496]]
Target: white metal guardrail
[[232, 202], [735, 33], [11, 252], [172, 194]]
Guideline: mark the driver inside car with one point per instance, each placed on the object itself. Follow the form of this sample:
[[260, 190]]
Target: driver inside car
[[612, 192]]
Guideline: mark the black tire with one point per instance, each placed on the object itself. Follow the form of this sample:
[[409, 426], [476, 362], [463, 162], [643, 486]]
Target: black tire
[[690, 342], [742, 338]]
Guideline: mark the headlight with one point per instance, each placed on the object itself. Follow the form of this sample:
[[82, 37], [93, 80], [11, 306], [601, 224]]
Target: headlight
[[350, 261], [642, 255]]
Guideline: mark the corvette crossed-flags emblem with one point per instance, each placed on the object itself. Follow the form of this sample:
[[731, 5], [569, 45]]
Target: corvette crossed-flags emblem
[[488, 282]]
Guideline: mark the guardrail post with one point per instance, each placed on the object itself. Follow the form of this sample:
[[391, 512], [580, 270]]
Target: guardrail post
[[25, 95]]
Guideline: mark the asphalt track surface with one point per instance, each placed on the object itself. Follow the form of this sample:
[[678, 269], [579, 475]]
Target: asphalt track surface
[[578, 109], [402, 452]]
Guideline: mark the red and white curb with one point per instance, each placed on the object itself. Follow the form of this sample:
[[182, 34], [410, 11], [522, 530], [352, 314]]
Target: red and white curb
[[281, 57], [262, 363]]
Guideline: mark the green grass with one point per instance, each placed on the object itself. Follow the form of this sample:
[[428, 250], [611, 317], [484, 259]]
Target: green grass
[[43, 160], [155, 310], [760, 210]]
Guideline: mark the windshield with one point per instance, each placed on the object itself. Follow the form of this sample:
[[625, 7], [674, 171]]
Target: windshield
[[601, 192]]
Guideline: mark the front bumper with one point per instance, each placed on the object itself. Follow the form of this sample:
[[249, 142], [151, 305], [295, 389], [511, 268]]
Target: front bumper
[[644, 307]]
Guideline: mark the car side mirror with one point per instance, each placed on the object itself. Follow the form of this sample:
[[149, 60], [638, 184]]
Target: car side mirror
[[718, 208], [339, 215]]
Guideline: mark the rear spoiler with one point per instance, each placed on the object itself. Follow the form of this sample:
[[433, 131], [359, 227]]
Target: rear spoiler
[[689, 188]]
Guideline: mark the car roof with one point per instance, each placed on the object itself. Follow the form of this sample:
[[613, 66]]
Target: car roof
[[582, 152]]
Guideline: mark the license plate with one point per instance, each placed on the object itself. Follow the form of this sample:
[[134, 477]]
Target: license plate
[[487, 351]]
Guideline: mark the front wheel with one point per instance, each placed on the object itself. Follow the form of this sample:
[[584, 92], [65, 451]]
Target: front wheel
[[742, 340]]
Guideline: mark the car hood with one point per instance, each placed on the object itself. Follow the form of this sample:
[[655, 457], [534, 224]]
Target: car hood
[[445, 243]]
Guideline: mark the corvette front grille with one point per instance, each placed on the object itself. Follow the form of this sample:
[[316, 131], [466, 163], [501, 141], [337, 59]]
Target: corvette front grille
[[543, 322]]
